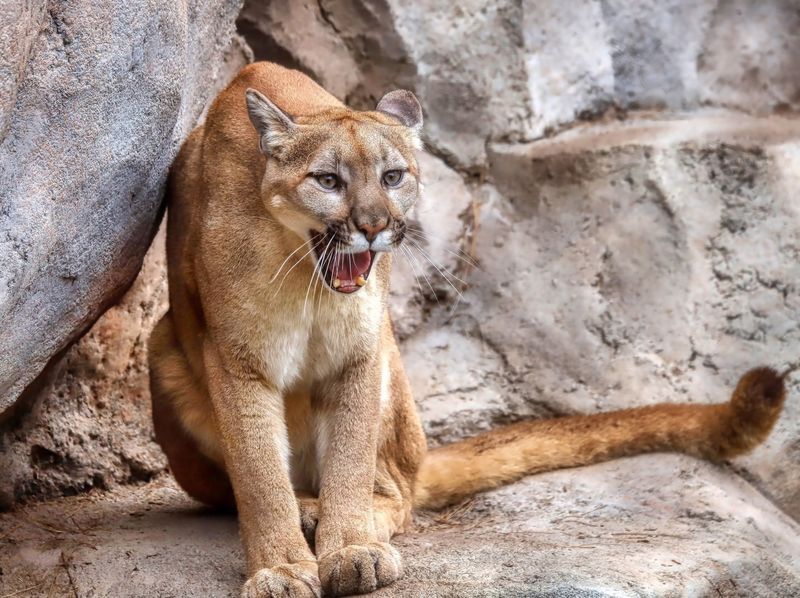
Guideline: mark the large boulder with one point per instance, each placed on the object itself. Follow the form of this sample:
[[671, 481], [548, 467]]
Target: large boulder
[[88, 426], [95, 99]]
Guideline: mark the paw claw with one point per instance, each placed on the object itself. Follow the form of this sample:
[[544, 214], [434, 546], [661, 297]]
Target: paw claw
[[297, 580], [359, 569]]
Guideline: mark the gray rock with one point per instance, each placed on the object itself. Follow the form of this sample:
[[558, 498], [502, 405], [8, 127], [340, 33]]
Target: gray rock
[[623, 264], [430, 268], [96, 98], [509, 70], [21, 22], [627, 264], [296, 34], [646, 526]]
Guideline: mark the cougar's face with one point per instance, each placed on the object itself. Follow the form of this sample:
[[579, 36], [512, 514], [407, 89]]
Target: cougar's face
[[343, 181]]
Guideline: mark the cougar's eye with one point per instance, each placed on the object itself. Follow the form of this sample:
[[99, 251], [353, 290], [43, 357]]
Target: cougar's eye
[[327, 180], [392, 178]]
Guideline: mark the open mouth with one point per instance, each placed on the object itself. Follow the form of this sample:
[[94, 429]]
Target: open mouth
[[343, 272]]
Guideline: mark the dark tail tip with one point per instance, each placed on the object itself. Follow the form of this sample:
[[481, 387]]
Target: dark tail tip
[[754, 408], [759, 387]]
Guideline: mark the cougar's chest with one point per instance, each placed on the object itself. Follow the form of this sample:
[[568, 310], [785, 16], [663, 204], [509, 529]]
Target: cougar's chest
[[348, 329], [303, 344], [342, 334]]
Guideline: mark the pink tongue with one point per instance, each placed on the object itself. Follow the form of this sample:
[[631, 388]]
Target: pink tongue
[[349, 266]]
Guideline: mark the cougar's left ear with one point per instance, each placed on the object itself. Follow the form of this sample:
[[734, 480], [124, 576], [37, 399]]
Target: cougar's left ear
[[404, 106], [274, 126]]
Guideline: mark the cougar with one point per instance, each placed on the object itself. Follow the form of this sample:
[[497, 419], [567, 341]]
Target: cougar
[[277, 383]]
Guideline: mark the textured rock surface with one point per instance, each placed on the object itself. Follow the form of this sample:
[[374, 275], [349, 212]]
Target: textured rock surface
[[436, 258], [647, 526], [96, 98], [628, 263], [622, 265], [510, 70], [93, 427]]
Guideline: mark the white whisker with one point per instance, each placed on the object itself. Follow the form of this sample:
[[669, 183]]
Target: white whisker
[[414, 270], [325, 264], [439, 269], [410, 265], [425, 276], [306, 254], [315, 273], [350, 255], [278, 271], [459, 253]]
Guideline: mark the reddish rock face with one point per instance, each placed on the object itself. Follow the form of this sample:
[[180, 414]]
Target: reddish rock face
[[86, 423], [92, 427]]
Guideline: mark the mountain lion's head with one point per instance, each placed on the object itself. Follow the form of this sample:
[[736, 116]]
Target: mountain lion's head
[[343, 180]]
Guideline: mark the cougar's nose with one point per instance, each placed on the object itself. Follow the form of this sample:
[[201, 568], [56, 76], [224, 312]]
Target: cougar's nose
[[373, 227]]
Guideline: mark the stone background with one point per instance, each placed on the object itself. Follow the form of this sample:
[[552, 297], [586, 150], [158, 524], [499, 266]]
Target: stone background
[[609, 219]]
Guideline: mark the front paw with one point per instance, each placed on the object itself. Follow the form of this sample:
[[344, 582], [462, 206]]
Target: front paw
[[357, 569], [297, 580]]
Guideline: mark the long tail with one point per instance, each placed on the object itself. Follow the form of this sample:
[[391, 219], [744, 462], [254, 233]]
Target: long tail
[[714, 432]]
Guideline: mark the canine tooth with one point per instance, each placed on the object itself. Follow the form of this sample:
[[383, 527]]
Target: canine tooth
[[336, 283], [361, 281]]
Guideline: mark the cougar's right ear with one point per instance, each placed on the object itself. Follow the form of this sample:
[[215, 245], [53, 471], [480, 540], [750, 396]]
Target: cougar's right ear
[[274, 126], [404, 106]]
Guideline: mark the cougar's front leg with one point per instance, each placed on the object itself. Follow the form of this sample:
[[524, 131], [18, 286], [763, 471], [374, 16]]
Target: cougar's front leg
[[249, 415], [351, 558]]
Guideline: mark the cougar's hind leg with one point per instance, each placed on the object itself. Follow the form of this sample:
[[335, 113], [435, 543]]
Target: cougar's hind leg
[[170, 381], [389, 515], [199, 476], [309, 515]]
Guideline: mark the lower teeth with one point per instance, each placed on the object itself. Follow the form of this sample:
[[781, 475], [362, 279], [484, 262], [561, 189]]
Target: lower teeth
[[360, 281]]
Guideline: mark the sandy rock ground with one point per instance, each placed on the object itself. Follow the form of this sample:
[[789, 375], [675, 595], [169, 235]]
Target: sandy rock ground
[[644, 526]]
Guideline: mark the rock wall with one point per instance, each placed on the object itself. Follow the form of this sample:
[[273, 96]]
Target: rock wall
[[609, 219], [511, 70]]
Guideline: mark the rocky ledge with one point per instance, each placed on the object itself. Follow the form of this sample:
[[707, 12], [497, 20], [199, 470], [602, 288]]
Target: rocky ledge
[[663, 525]]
